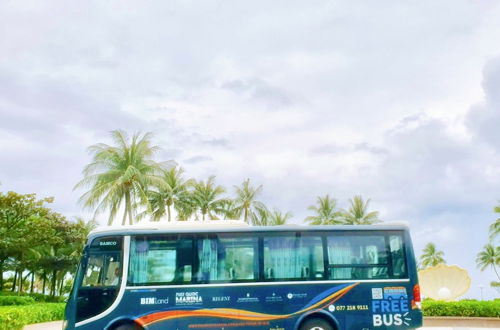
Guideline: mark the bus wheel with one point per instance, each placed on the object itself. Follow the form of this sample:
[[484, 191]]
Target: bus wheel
[[316, 324], [127, 326]]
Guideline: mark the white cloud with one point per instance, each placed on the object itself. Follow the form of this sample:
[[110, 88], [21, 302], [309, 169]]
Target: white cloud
[[306, 99]]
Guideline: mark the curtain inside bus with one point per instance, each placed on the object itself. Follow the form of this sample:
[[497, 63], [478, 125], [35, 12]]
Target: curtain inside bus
[[291, 257], [138, 261]]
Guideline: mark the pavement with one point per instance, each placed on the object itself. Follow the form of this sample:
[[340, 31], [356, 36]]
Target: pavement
[[57, 325]]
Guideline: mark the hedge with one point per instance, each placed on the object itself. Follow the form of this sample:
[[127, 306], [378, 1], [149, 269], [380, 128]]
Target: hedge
[[16, 317], [465, 308], [15, 300], [37, 296]]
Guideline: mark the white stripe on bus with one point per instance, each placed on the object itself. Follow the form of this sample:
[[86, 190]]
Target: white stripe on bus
[[143, 287]]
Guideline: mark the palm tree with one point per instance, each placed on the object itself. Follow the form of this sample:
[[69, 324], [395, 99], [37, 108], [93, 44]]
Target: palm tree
[[277, 218], [326, 212], [245, 201], [358, 213], [173, 189], [489, 256], [260, 217], [207, 200], [186, 206], [230, 210], [495, 226], [120, 175], [431, 256]]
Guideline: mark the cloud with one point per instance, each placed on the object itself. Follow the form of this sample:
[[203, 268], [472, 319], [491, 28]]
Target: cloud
[[197, 159], [306, 99], [259, 91], [483, 120]]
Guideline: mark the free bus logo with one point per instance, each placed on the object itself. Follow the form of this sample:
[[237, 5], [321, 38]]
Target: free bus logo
[[390, 306]]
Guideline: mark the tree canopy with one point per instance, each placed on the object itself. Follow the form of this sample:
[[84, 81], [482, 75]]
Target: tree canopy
[[37, 240], [431, 256], [120, 175]]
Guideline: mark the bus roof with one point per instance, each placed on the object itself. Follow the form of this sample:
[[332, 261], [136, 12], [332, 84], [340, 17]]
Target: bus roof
[[222, 226]]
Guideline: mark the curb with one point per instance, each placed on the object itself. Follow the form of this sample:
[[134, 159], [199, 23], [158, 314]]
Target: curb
[[451, 321]]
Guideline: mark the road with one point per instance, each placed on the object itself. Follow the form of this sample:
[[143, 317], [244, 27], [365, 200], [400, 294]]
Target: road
[[58, 325]]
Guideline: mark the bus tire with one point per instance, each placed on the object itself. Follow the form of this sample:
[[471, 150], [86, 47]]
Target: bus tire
[[316, 324], [127, 326]]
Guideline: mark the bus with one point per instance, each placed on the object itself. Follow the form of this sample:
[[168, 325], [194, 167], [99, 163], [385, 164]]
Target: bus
[[221, 275]]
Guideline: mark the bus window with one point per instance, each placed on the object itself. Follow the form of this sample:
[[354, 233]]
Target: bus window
[[397, 256], [292, 257], [352, 256], [226, 259], [103, 269], [160, 260]]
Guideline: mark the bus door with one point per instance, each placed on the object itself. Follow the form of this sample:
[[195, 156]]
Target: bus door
[[101, 277]]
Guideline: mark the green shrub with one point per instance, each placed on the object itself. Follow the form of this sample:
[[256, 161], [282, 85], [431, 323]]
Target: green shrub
[[465, 308], [37, 296], [16, 317], [15, 300], [44, 298]]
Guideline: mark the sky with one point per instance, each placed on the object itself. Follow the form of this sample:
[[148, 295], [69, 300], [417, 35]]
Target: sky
[[398, 101]]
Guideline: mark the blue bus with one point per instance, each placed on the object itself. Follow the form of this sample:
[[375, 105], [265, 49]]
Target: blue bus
[[222, 276]]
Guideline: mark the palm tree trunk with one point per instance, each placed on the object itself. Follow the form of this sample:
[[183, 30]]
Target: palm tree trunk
[[246, 214], [130, 218], [61, 286], [168, 212], [1, 275], [124, 216], [125, 212], [44, 278], [128, 208], [495, 269], [32, 281], [53, 286], [20, 281], [14, 282], [25, 278]]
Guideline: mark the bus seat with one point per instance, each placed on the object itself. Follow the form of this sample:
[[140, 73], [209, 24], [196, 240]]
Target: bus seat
[[232, 274], [304, 272]]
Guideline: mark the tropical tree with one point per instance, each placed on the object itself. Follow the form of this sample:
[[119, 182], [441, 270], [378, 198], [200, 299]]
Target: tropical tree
[[264, 217], [494, 229], [120, 175], [431, 256], [358, 213], [17, 212], [489, 257], [186, 207], [277, 218], [245, 201], [260, 217], [207, 198], [174, 189], [325, 212], [230, 210]]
